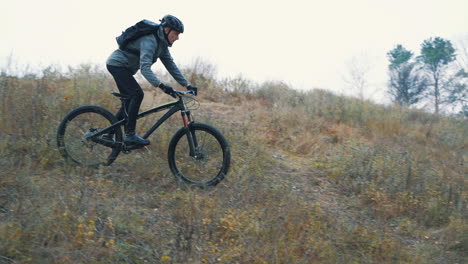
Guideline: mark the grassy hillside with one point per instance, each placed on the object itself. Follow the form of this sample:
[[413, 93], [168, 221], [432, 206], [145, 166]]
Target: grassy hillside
[[316, 178]]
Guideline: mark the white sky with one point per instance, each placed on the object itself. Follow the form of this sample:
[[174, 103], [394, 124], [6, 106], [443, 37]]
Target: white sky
[[307, 44]]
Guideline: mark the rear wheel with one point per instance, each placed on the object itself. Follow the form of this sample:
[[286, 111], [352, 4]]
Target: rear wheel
[[81, 122], [212, 156]]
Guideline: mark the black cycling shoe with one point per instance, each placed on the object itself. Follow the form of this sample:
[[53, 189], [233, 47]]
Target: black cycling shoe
[[134, 139]]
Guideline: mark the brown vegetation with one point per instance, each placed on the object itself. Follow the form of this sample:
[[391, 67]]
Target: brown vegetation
[[316, 178]]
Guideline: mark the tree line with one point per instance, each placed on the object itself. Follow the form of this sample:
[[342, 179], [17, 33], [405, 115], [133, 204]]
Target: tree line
[[432, 76]]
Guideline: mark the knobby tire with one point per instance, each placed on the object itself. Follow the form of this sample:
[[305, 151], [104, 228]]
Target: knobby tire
[[76, 125], [213, 159]]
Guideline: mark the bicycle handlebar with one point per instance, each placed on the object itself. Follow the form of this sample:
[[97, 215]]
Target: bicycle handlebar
[[179, 93]]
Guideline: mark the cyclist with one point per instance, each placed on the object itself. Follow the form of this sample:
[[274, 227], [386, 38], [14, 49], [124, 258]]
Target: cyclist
[[141, 54]]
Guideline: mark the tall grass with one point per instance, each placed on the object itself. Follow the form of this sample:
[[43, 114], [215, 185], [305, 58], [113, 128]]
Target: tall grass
[[316, 178]]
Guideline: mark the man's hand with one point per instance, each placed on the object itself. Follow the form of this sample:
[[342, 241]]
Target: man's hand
[[168, 90], [193, 88]]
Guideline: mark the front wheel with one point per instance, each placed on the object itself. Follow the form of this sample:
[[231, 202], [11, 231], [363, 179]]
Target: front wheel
[[211, 158]]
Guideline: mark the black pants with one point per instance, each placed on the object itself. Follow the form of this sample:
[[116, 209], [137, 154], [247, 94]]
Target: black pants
[[128, 86]]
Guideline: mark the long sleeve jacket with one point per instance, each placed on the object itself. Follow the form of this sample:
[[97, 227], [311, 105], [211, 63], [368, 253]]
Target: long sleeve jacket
[[150, 48]]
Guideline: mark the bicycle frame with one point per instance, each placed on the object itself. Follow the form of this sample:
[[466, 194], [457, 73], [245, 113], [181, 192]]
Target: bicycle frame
[[174, 106]]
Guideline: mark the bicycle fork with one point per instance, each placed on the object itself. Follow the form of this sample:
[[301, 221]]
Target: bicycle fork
[[191, 137]]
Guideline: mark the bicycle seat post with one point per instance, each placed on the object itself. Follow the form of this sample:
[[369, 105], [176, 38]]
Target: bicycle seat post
[[123, 99]]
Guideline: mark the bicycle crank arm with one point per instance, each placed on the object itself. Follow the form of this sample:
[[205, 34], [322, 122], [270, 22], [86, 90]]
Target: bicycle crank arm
[[106, 143]]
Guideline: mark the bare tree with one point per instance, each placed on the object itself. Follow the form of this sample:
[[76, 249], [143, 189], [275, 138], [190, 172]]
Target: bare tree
[[357, 75], [458, 89], [461, 46]]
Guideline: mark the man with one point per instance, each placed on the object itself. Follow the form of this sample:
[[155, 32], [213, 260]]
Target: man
[[141, 54]]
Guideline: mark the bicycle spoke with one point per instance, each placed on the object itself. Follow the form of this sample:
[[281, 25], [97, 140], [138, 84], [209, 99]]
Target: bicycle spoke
[[210, 162], [74, 131]]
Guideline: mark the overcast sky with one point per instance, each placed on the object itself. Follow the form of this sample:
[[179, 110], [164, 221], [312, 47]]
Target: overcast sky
[[307, 44]]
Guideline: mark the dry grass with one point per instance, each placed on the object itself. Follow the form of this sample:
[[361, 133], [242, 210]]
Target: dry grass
[[316, 178]]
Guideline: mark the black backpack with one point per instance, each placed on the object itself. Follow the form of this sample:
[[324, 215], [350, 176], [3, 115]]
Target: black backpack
[[142, 28]]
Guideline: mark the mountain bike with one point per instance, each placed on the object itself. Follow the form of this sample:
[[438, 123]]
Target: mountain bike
[[198, 153]]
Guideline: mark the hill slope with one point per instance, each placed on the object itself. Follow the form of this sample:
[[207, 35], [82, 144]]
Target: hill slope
[[316, 178]]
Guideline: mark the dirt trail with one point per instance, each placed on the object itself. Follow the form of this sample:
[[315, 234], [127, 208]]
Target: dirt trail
[[308, 181]]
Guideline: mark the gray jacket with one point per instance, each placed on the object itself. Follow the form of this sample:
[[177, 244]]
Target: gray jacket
[[151, 48]]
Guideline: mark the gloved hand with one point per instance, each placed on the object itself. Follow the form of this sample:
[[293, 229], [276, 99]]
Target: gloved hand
[[168, 90], [193, 88]]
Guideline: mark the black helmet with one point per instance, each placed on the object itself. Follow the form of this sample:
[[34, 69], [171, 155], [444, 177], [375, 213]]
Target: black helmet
[[172, 22]]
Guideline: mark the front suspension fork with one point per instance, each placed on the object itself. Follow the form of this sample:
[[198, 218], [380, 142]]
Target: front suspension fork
[[191, 137]]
